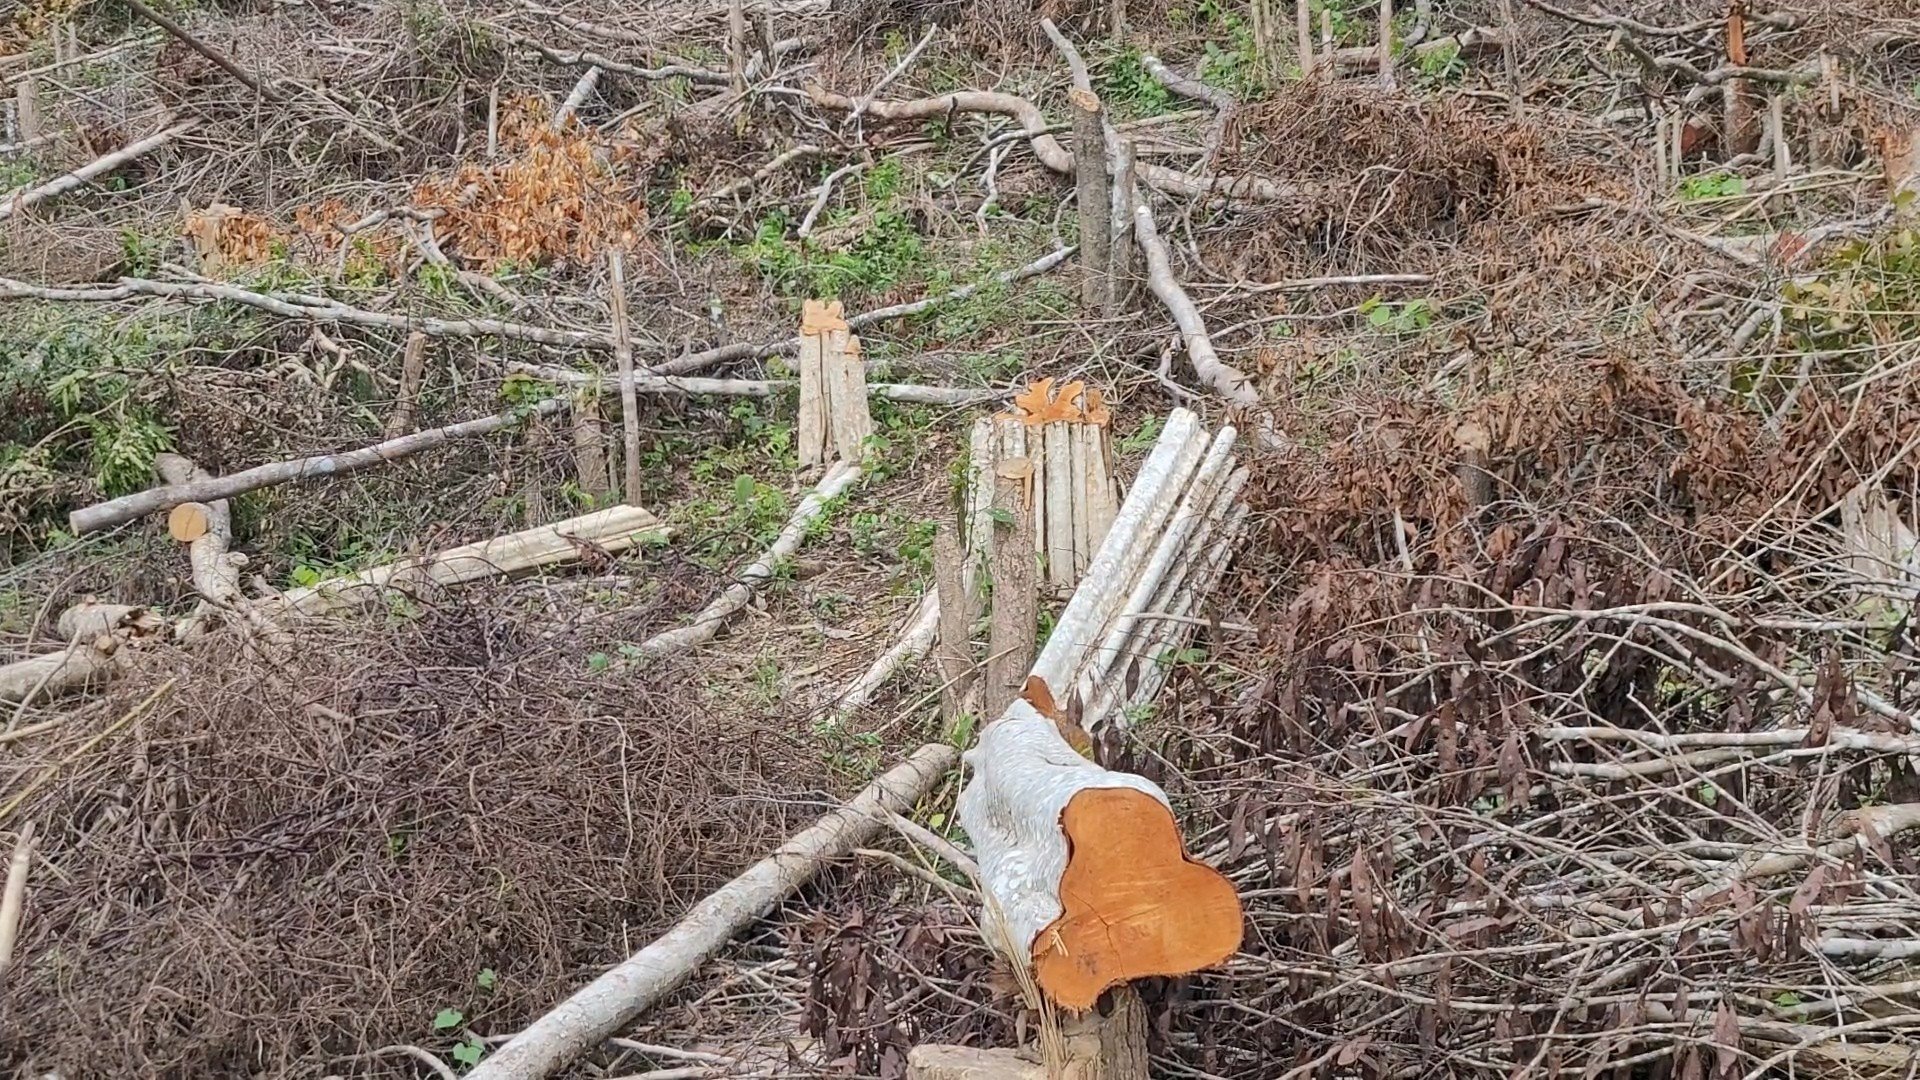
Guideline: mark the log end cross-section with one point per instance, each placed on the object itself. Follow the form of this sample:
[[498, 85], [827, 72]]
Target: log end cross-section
[[1084, 867], [1135, 906]]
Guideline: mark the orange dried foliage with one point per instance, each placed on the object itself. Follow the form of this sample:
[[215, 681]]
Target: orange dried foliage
[[226, 236], [1075, 402], [557, 195]]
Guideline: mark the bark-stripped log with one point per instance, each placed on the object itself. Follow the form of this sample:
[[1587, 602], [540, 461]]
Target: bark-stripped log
[[603, 1006], [208, 489]]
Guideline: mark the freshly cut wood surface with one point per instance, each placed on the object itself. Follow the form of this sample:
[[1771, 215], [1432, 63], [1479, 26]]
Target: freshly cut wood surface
[[1135, 905]]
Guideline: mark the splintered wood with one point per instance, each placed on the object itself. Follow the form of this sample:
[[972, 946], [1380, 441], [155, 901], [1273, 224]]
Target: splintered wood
[[1087, 875], [834, 421], [1055, 443]]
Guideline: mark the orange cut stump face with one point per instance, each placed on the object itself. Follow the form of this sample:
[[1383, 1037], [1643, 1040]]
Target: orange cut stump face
[[1134, 904]]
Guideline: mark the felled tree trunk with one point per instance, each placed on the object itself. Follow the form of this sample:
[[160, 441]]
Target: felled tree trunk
[[1087, 875]]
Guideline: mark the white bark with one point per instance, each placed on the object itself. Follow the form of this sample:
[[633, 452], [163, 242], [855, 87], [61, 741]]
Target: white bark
[[707, 624], [603, 1006], [1175, 540], [212, 489]]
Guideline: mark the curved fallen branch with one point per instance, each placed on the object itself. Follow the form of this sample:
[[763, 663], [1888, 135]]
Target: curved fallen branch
[[603, 1006], [208, 489], [1220, 377], [1056, 157], [706, 624]]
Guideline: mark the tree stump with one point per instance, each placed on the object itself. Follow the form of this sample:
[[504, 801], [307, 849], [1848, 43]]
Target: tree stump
[[834, 421]]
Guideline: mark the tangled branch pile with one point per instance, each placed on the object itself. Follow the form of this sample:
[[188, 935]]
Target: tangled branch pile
[[456, 814]]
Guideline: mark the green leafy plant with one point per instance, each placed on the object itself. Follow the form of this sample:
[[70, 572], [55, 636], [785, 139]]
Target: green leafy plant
[[447, 1018], [1143, 437], [1714, 185], [1407, 318], [1128, 88], [1440, 64]]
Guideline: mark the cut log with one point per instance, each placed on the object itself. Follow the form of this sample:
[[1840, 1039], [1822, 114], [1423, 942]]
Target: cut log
[[93, 655], [210, 489], [590, 467], [623, 357], [1134, 905], [612, 531], [215, 570], [413, 369], [1092, 198], [603, 1006], [833, 388]]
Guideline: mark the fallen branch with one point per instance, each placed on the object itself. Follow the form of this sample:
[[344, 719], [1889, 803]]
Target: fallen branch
[[1227, 381], [261, 87], [706, 624], [1056, 157], [313, 308], [28, 197], [14, 898], [208, 489], [681, 384], [611, 1001], [1880, 821]]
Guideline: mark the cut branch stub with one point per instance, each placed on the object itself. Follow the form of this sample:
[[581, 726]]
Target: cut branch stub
[[833, 387]]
